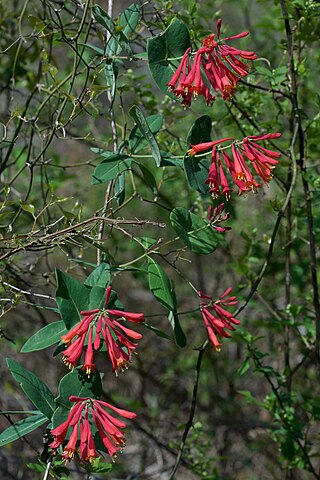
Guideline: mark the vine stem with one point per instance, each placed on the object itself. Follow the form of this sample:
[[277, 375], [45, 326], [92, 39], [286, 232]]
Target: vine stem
[[46, 473], [115, 150], [189, 423], [303, 169]]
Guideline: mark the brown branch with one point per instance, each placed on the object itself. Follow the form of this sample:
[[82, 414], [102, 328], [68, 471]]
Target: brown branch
[[41, 242]]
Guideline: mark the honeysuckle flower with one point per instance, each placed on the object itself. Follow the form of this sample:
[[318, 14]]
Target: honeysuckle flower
[[215, 66], [82, 416], [206, 146], [98, 326], [216, 318], [216, 216], [261, 160]]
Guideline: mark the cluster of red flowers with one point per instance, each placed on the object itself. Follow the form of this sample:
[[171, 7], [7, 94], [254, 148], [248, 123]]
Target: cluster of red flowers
[[261, 159], [216, 318], [215, 65], [216, 216], [110, 429], [97, 326]]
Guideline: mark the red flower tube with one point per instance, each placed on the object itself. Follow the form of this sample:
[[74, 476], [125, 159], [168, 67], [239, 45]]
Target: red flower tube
[[110, 428], [98, 326]]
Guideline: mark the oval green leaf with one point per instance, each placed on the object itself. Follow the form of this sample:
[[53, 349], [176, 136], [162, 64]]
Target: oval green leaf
[[198, 235], [35, 389], [159, 284], [144, 128], [71, 297], [21, 428], [165, 52], [45, 337]]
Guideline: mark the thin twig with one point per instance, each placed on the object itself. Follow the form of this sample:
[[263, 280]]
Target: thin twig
[[46, 473], [45, 241], [188, 425], [115, 149]]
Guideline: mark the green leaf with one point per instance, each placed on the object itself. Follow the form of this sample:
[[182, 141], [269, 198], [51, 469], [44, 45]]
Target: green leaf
[[159, 284], [245, 366], [79, 384], [27, 207], [117, 34], [143, 126], [98, 465], [137, 140], [97, 297], [198, 235], [197, 170], [100, 276], [250, 398], [177, 330], [168, 161], [110, 168], [200, 132], [127, 23], [287, 447], [45, 337], [147, 242], [21, 428], [155, 330], [120, 188], [103, 18], [148, 178], [71, 297], [165, 52], [111, 73], [35, 389], [129, 19]]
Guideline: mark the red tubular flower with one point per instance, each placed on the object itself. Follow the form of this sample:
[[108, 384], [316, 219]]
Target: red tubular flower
[[215, 63], [216, 318], [261, 160], [111, 429], [204, 147], [96, 326]]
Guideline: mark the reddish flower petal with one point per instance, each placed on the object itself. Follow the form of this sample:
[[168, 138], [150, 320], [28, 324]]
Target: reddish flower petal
[[131, 316], [89, 364], [108, 293]]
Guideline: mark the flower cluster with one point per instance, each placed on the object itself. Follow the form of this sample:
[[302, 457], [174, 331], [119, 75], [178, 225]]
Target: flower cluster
[[98, 326], [262, 161], [216, 216], [110, 429], [216, 318], [215, 66]]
